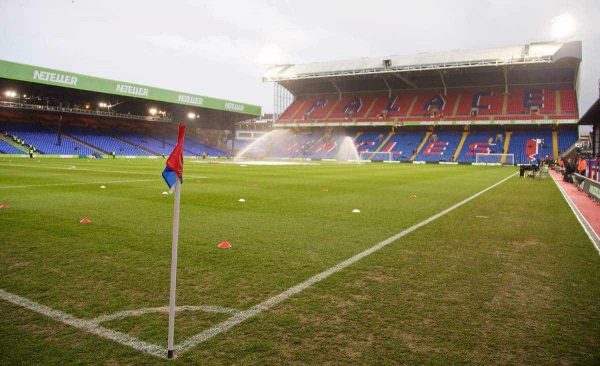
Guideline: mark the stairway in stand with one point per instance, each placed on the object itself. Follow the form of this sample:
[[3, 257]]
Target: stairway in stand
[[555, 144], [506, 145], [423, 142], [460, 145]]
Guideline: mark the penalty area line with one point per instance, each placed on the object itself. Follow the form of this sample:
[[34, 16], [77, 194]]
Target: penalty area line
[[271, 302]]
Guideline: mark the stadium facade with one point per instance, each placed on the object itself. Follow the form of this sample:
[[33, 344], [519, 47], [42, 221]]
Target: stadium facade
[[434, 107]]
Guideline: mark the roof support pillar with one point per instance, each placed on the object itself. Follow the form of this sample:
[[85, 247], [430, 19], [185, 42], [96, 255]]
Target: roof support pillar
[[505, 71], [388, 87], [337, 88], [444, 83]]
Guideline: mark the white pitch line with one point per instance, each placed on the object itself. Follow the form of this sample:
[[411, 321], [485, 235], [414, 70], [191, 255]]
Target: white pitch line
[[77, 183], [51, 167], [95, 170], [595, 239], [163, 309], [269, 303], [87, 325]]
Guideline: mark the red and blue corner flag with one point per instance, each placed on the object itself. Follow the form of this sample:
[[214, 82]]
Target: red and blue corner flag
[[174, 168]]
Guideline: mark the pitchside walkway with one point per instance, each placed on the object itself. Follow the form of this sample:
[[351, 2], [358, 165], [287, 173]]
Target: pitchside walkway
[[587, 211]]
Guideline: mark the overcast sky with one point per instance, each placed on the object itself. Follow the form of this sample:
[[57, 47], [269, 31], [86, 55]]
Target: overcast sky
[[221, 48]]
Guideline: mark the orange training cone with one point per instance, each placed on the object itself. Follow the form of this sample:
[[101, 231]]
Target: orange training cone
[[4, 205], [85, 220], [224, 245]]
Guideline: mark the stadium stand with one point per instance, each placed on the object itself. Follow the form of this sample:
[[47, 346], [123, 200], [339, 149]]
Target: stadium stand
[[520, 140], [522, 104], [6, 148], [483, 141], [102, 141], [45, 140], [440, 146], [86, 140]]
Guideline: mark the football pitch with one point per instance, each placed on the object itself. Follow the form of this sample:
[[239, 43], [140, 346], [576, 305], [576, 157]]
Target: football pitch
[[442, 265]]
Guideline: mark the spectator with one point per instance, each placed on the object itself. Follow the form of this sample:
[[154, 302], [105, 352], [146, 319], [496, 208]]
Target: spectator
[[582, 166]]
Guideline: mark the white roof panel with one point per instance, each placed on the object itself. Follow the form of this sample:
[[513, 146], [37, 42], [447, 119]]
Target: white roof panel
[[529, 53]]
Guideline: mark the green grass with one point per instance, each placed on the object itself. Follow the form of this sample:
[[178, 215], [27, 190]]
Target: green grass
[[520, 285]]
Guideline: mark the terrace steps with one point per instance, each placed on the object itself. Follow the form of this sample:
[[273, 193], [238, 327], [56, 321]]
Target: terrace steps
[[335, 105], [456, 105], [14, 144], [555, 144], [301, 108], [423, 142], [506, 146], [92, 147], [136, 146], [370, 107], [465, 134], [383, 142], [412, 105], [505, 104]]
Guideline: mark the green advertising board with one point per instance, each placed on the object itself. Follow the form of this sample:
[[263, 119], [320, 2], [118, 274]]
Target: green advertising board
[[42, 75]]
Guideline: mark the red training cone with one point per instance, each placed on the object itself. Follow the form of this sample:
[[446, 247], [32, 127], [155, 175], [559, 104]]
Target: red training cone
[[224, 245], [85, 220], [4, 205]]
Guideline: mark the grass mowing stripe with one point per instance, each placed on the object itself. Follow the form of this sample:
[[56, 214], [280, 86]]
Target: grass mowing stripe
[[584, 223], [86, 325], [269, 303], [76, 183]]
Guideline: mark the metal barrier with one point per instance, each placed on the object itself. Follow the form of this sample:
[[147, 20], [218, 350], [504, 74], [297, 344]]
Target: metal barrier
[[592, 169]]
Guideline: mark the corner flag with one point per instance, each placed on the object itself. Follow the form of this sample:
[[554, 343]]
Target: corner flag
[[173, 175], [174, 168]]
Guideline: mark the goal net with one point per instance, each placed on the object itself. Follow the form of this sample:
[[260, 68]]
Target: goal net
[[495, 159], [376, 156]]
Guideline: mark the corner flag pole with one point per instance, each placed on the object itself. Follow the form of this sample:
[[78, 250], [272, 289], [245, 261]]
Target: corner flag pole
[[175, 242]]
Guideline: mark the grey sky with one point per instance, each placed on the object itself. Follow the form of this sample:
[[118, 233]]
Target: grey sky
[[220, 48]]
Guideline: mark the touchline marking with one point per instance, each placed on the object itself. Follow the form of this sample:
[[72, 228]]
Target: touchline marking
[[87, 325], [582, 220], [269, 303], [77, 184]]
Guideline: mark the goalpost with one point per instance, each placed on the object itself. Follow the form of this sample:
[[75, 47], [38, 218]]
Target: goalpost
[[494, 159], [376, 156]]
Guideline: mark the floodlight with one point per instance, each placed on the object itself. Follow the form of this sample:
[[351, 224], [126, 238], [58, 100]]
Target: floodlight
[[191, 115], [563, 26], [153, 111]]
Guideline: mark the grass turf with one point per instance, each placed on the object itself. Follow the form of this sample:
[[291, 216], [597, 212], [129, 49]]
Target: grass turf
[[509, 278]]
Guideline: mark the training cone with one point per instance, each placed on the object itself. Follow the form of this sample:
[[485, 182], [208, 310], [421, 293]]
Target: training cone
[[165, 192], [4, 205], [413, 196], [102, 187], [325, 189], [224, 245], [241, 200], [356, 210], [85, 220]]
